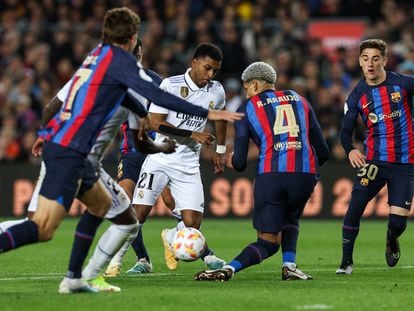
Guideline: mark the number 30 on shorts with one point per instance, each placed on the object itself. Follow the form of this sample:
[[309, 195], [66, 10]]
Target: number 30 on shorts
[[369, 171]]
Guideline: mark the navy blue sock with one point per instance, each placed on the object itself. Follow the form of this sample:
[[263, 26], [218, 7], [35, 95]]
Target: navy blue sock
[[139, 247], [22, 234], [290, 234], [84, 234], [254, 254], [396, 226], [349, 235], [207, 252]]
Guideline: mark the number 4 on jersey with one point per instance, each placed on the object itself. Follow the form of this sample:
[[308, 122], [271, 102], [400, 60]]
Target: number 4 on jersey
[[285, 121]]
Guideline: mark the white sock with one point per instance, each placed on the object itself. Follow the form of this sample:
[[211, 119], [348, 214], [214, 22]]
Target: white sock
[[117, 259], [290, 265], [109, 243], [171, 232], [10, 223]]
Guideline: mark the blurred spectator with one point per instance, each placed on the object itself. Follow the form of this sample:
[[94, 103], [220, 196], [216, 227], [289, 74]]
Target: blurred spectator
[[42, 42]]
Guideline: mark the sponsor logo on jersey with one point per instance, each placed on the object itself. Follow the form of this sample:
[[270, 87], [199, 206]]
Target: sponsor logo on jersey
[[395, 97], [366, 105], [211, 105], [364, 181], [288, 145], [383, 117], [184, 91]]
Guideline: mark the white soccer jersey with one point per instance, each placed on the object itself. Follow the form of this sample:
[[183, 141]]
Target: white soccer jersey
[[211, 96]]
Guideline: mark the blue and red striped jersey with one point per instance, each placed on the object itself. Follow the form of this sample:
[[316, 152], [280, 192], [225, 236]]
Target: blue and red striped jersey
[[97, 89], [284, 127], [386, 110], [127, 144]]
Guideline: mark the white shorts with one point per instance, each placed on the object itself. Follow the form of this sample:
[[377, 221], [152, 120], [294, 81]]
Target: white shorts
[[120, 200], [186, 188]]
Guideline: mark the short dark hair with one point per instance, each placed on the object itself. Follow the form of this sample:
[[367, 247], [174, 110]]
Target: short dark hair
[[208, 49], [137, 47], [378, 44], [120, 24]]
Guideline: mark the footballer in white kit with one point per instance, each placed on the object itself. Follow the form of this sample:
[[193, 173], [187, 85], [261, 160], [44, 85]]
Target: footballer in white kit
[[180, 170]]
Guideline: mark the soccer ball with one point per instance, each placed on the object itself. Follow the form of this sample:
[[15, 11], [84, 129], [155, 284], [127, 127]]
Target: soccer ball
[[188, 244]]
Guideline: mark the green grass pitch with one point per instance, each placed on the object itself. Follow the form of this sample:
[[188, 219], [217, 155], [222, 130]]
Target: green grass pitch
[[29, 277]]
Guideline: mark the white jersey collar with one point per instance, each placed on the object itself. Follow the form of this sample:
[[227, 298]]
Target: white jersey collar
[[193, 87]]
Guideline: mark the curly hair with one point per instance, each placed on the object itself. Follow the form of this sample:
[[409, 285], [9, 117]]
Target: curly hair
[[259, 71]]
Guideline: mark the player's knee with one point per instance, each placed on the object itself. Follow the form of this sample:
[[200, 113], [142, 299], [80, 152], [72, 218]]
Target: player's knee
[[45, 233]]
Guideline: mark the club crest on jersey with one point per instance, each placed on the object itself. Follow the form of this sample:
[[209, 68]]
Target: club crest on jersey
[[184, 91], [364, 181], [395, 97], [141, 194], [211, 105]]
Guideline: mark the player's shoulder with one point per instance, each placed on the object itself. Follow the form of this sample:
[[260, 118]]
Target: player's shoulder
[[216, 84], [176, 80], [216, 87], [398, 78], [357, 92]]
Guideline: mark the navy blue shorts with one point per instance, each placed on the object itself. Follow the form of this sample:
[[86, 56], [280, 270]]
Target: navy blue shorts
[[64, 170], [399, 179], [280, 198], [89, 178], [130, 165]]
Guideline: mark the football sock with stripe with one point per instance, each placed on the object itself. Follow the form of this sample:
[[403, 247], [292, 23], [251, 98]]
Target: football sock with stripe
[[22, 234], [254, 254], [84, 234], [109, 243]]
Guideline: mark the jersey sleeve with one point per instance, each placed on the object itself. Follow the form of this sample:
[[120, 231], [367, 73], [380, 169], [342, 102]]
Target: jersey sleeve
[[348, 122], [134, 76], [317, 139], [221, 97], [408, 83], [165, 85], [241, 142]]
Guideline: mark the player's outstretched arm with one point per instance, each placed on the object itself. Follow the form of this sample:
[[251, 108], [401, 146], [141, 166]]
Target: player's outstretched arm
[[216, 115], [148, 146]]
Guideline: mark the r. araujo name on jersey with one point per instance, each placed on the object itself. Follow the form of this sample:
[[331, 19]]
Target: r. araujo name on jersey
[[211, 96]]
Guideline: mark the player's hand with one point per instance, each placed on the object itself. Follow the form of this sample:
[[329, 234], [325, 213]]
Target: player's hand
[[203, 138], [219, 161], [37, 148], [229, 157], [356, 158], [168, 146], [143, 127], [215, 115]]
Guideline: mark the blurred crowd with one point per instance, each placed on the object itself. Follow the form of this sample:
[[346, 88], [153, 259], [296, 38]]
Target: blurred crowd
[[42, 42]]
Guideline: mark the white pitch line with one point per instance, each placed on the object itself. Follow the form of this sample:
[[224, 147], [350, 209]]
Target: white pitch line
[[52, 276]]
